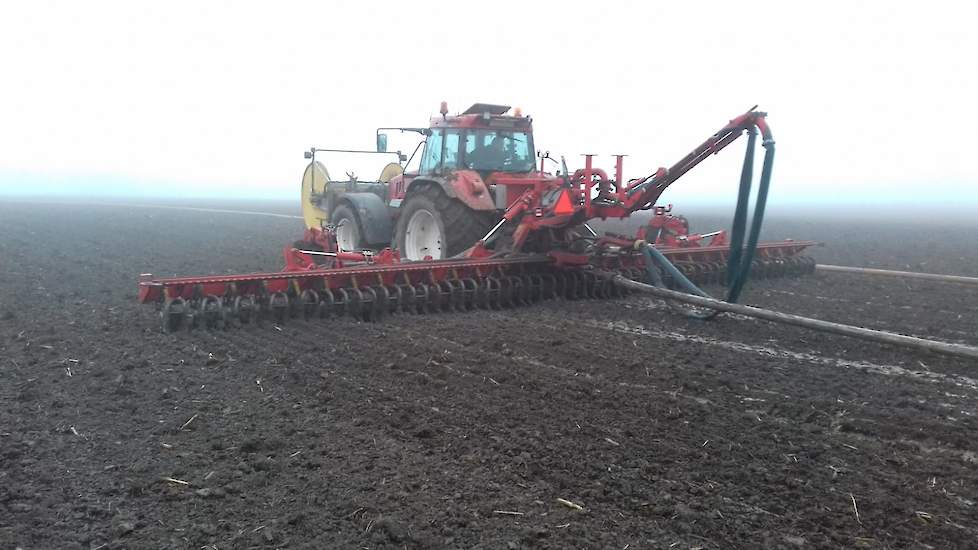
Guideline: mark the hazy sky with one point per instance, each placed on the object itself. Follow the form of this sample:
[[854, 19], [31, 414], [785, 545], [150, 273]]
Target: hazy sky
[[870, 101]]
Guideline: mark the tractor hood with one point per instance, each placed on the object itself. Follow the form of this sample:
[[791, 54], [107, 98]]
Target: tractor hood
[[508, 178]]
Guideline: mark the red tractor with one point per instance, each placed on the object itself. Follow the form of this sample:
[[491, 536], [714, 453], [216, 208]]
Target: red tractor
[[472, 166]]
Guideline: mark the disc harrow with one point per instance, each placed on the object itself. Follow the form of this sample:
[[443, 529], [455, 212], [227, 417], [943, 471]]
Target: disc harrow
[[492, 290], [372, 292]]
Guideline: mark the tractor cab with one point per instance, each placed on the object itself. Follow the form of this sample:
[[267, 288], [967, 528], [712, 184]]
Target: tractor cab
[[483, 138]]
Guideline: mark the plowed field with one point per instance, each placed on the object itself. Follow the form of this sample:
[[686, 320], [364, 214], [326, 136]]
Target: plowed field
[[464, 430]]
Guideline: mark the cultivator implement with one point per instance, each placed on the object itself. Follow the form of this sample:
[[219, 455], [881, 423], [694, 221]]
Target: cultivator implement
[[540, 248], [372, 291]]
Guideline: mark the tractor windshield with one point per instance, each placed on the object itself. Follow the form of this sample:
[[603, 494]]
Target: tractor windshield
[[498, 151]]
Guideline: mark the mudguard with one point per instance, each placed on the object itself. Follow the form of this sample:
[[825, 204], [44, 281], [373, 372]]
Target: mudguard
[[375, 220], [464, 185]]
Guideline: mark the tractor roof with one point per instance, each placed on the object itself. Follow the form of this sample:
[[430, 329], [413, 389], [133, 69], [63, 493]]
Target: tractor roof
[[479, 108], [484, 115]]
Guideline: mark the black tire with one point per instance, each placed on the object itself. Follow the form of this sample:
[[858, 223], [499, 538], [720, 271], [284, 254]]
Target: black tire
[[344, 214], [460, 226]]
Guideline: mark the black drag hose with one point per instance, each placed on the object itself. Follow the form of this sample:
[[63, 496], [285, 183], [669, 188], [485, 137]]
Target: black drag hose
[[741, 255]]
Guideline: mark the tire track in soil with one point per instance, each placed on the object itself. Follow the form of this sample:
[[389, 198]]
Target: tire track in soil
[[785, 420], [961, 382]]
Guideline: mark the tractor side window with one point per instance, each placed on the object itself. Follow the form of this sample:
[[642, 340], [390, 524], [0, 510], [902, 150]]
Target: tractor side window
[[475, 143], [519, 150], [498, 150], [432, 153], [450, 158], [472, 139]]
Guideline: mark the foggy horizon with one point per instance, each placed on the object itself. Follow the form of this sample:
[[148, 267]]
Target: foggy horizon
[[115, 100]]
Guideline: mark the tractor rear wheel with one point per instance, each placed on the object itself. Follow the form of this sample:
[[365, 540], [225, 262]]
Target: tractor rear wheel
[[348, 234], [436, 225]]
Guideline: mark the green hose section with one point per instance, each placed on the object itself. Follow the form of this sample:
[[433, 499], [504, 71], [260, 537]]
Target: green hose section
[[737, 285], [739, 227], [653, 257], [741, 257]]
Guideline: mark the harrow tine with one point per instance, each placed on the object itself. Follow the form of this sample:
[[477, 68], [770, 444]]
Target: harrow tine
[[279, 304], [173, 314], [326, 304], [516, 289], [535, 283], [458, 294], [494, 292], [369, 304], [575, 284], [560, 284], [394, 298], [420, 298], [505, 293], [355, 307], [342, 302], [310, 303], [434, 298], [481, 297], [469, 290], [548, 289], [244, 309], [213, 312], [446, 300], [405, 297]]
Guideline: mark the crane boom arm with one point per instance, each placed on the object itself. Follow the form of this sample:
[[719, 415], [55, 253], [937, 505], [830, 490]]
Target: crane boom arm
[[643, 193]]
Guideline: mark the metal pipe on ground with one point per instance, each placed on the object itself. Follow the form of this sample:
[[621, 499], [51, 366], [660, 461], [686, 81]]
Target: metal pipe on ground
[[946, 348], [892, 273]]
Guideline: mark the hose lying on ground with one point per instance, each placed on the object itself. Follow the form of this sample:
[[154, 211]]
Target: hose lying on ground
[[905, 274], [956, 350]]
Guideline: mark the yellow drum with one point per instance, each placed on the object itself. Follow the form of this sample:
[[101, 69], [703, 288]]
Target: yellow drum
[[314, 208]]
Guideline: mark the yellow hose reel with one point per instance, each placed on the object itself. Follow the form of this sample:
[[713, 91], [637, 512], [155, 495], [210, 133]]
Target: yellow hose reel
[[314, 182]]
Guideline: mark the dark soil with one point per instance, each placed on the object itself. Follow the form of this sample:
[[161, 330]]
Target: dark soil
[[464, 430]]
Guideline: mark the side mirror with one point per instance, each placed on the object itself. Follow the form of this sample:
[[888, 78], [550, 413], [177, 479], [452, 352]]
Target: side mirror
[[307, 154], [381, 143], [401, 156]]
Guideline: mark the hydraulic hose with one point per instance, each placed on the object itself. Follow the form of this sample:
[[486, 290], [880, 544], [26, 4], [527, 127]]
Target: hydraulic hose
[[653, 257], [736, 285], [741, 256]]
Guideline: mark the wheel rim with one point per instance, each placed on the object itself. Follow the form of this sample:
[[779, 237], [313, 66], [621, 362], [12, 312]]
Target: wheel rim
[[346, 237], [422, 236]]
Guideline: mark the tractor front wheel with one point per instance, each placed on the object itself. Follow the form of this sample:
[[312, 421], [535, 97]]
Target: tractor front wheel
[[431, 224]]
